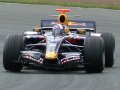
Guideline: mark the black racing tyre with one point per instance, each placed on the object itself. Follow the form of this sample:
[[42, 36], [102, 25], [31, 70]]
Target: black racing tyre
[[94, 54], [11, 53], [109, 42]]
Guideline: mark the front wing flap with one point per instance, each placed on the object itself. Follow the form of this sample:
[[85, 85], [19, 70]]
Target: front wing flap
[[38, 57]]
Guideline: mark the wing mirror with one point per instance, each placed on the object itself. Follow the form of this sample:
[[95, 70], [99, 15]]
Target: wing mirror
[[81, 31], [37, 29]]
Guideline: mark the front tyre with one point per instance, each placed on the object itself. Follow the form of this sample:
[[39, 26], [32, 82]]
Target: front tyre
[[109, 42], [94, 54], [11, 53]]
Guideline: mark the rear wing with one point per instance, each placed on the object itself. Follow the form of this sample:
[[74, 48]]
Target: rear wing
[[72, 24]]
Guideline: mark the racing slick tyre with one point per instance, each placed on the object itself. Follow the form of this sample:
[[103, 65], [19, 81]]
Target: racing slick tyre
[[94, 54], [109, 42], [11, 52]]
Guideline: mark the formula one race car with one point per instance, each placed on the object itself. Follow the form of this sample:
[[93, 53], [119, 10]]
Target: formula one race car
[[60, 44]]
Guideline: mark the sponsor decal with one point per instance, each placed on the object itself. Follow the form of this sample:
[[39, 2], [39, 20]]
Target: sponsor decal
[[54, 23], [30, 57], [71, 24], [68, 59], [76, 23]]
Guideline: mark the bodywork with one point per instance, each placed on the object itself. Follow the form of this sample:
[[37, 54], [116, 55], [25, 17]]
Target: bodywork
[[49, 51], [65, 51]]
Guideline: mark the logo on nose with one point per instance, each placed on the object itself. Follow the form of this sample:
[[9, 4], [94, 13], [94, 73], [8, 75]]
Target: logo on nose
[[51, 55]]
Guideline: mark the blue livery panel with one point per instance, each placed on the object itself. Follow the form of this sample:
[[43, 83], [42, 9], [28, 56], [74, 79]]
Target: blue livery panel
[[74, 24]]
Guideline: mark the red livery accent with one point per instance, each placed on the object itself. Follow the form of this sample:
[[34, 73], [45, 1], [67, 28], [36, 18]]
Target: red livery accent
[[63, 11]]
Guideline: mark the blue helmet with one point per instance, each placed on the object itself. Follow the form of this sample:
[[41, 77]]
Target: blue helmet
[[58, 29]]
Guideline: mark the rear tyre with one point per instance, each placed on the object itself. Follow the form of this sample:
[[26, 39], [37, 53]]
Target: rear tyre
[[11, 53], [94, 54], [109, 42]]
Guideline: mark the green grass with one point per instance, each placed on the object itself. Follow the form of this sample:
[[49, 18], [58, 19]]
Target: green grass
[[66, 3]]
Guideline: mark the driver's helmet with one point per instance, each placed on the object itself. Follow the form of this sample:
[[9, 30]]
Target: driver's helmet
[[60, 29]]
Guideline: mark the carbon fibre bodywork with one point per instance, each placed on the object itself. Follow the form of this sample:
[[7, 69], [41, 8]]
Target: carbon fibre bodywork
[[61, 50], [65, 51]]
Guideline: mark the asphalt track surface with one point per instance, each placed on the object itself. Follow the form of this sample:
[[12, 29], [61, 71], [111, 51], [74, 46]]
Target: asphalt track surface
[[16, 18]]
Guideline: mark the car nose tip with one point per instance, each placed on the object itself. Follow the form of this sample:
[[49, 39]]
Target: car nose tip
[[51, 55]]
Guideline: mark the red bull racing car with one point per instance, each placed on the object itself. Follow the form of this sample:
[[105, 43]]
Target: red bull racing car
[[60, 44]]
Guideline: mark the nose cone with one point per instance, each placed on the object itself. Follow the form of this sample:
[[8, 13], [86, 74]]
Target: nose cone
[[51, 55]]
